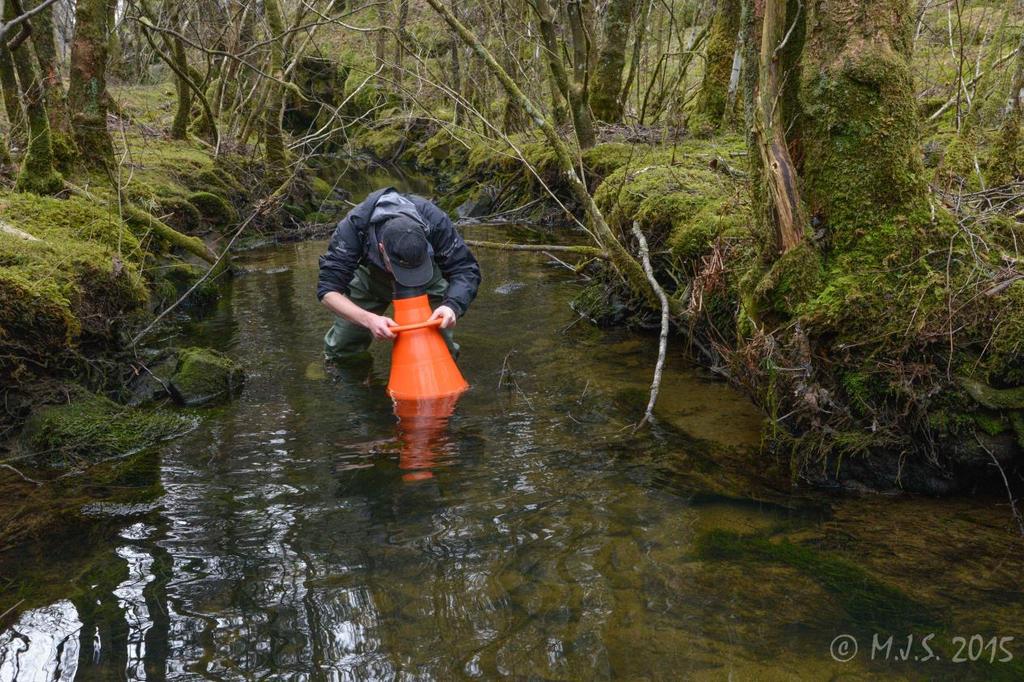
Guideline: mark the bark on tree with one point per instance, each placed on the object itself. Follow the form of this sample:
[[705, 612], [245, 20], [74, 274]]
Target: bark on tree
[[579, 95], [638, 45], [514, 118], [384, 17], [87, 91], [779, 171], [38, 173], [44, 42], [558, 78], [273, 135], [183, 111], [606, 98], [456, 68], [710, 106], [12, 98], [402, 39]]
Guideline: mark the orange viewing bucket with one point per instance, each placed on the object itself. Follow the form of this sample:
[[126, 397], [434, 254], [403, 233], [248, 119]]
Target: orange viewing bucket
[[421, 366]]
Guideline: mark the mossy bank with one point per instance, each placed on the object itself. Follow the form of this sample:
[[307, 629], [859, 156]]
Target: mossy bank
[[844, 341]]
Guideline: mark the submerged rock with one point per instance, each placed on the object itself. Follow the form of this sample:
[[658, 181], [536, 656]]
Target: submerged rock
[[508, 288], [204, 376], [91, 428]]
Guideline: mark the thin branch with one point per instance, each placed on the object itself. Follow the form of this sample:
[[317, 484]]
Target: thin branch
[[6, 26], [645, 259], [30, 480]]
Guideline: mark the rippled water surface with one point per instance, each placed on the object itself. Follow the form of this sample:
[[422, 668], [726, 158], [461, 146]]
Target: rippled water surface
[[304, 533]]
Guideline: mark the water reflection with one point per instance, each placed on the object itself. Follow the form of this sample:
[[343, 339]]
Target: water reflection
[[131, 598], [42, 646], [422, 432]]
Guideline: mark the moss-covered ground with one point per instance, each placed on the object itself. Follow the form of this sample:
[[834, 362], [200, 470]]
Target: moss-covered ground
[[81, 271]]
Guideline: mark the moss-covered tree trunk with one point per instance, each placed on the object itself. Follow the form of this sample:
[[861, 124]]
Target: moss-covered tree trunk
[[557, 77], [45, 44], [605, 98], [638, 46], [514, 118], [862, 162], [579, 89], [183, 110], [87, 91], [273, 135], [1008, 165], [402, 39], [38, 173], [709, 107], [12, 97]]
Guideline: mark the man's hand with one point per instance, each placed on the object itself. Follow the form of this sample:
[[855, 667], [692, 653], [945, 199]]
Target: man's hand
[[379, 326], [446, 314]]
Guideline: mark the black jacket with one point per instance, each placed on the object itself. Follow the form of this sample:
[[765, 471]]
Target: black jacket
[[352, 245]]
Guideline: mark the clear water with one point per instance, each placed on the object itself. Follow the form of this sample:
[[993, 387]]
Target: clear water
[[303, 533]]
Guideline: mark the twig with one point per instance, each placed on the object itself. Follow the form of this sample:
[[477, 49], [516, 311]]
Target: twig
[[645, 260], [4, 614], [30, 480], [1009, 493]]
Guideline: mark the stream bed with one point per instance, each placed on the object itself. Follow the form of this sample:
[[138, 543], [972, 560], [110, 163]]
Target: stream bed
[[304, 533]]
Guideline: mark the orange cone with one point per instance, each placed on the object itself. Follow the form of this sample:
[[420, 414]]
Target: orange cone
[[421, 366]]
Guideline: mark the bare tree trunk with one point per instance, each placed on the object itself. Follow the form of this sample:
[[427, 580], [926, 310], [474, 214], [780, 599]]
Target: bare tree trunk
[[514, 118], [638, 46], [87, 92], [460, 117], [606, 98], [37, 173], [384, 17], [777, 166]]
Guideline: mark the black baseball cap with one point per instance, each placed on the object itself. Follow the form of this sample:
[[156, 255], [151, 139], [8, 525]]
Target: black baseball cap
[[407, 251]]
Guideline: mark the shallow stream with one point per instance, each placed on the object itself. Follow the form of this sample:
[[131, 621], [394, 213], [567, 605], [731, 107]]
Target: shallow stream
[[304, 533]]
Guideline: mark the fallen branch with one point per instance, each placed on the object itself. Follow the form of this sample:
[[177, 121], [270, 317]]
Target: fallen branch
[[645, 260], [590, 251]]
